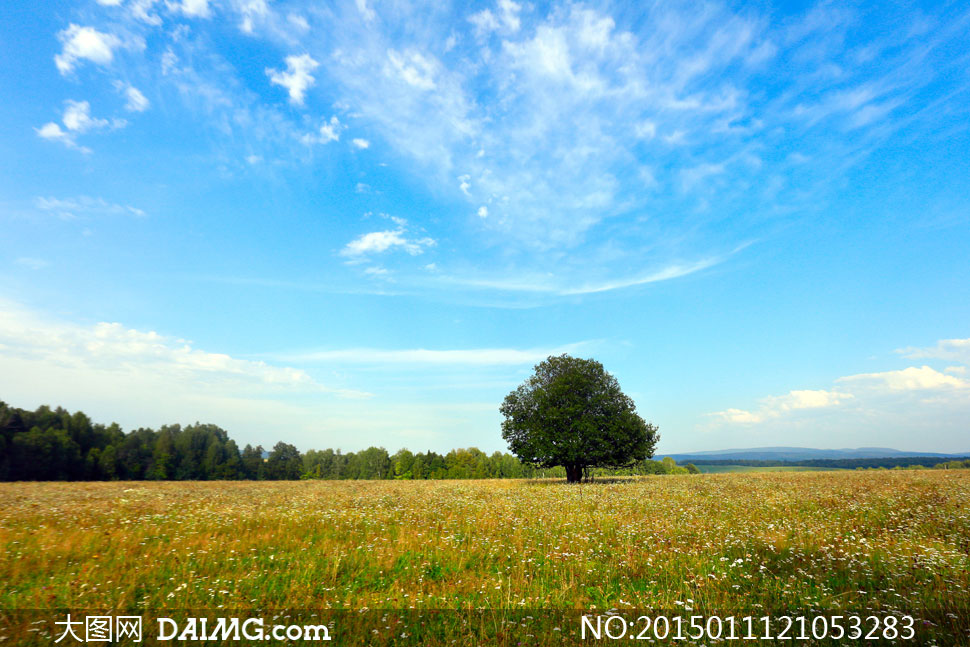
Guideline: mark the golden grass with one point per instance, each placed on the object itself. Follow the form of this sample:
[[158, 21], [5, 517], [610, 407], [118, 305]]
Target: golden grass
[[884, 540]]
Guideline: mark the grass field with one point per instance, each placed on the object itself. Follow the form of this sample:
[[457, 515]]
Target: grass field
[[887, 541]]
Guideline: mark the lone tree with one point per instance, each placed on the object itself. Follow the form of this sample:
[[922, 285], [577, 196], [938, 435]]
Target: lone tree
[[572, 413]]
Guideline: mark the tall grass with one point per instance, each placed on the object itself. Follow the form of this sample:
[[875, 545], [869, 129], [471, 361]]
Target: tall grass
[[768, 541]]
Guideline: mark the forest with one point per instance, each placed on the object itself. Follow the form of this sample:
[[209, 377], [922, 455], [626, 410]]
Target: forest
[[55, 445]]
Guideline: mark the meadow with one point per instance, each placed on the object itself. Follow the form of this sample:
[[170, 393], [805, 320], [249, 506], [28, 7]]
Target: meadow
[[887, 541]]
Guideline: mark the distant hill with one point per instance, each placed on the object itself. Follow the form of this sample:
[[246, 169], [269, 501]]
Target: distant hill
[[792, 454]]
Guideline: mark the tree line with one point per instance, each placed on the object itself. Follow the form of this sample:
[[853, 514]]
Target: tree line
[[55, 445]]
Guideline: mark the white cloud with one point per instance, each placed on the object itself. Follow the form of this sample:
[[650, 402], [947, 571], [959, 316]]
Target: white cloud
[[141, 378], [377, 242], [856, 106], [366, 12], [553, 106], [109, 3], [550, 284], [457, 357], [691, 178], [136, 101], [361, 143], [505, 18], [946, 349], [85, 206], [32, 263], [739, 416], [115, 349], [414, 68], [545, 56], [53, 132], [483, 212], [329, 132], [141, 10], [909, 379], [806, 399], [666, 274], [484, 21], [191, 8], [777, 406], [548, 122], [675, 138], [170, 62], [297, 78], [84, 43], [909, 408], [510, 14], [298, 21], [869, 389], [251, 11], [77, 120], [645, 130]]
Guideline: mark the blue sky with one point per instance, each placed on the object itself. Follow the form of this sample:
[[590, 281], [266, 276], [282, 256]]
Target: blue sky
[[363, 223]]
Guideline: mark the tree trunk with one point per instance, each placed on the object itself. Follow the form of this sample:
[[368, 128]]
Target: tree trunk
[[574, 473]]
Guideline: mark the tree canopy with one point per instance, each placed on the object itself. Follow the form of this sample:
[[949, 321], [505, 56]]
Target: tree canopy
[[572, 413]]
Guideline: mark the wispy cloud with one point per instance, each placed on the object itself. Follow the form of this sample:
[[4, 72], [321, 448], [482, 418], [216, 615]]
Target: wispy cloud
[[191, 8], [777, 406], [32, 263], [553, 285], [244, 122], [53, 132], [914, 378], [136, 101], [947, 349], [431, 278], [144, 378], [549, 152], [328, 132], [85, 206], [366, 12], [252, 13], [504, 19], [423, 356], [111, 348], [77, 120], [666, 274], [545, 125], [378, 242], [883, 407]]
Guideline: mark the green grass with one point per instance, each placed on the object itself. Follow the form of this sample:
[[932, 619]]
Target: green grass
[[756, 542]]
